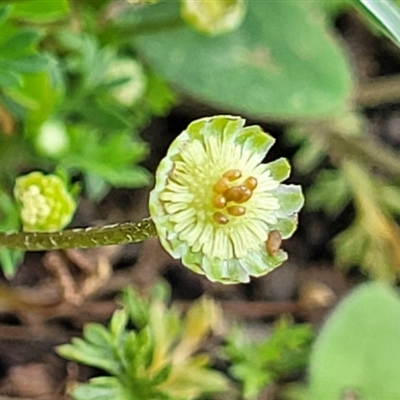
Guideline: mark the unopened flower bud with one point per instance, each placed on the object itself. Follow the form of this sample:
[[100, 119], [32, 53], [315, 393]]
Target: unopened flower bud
[[45, 203], [213, 16]]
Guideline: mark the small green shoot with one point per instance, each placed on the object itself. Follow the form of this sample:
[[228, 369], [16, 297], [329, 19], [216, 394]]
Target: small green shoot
[[259, 364], [157, 360]]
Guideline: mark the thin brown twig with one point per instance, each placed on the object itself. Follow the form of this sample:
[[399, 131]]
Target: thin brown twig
[[378, 91]]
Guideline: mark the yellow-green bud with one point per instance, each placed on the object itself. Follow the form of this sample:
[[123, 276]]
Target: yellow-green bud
[[45, 203], [213, 17]]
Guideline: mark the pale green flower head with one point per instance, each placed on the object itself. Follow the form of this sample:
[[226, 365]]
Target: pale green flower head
[[45, 203], [215, 206], [213, 17]]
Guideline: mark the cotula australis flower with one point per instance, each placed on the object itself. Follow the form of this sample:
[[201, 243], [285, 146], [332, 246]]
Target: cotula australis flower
[[217, 207]]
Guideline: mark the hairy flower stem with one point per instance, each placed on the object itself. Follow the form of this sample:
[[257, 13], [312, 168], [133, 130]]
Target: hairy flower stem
[[82, 238]]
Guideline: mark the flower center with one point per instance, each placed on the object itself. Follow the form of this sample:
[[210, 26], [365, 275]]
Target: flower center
[[229, 197], [35, 206]]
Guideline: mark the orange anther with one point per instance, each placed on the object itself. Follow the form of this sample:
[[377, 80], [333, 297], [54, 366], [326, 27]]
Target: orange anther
[[273, 242], [236, 211], [233, 194], [220, 218], [245, 194], [219, 201], [250, 183], [232, 174], [221, 185]]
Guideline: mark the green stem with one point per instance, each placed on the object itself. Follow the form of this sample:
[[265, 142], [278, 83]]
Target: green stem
[[118, 36], [82, 238], [366, 149]]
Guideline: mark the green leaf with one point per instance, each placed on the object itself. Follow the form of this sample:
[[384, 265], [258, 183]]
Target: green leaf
[[334, 7], [355, 246], [19, 43], [358, 350], [9, 79], [310, 154], [102, 114], [110, 158], [18, 60], [96, 186], [9, 221], [27, 64], [330, 192], [9, 213], [280, 63], [101, 388], [253, 381], [40, 11], [9, 260], [387, 16], [47, 89], [159, 96], [97, 334], [257, 364], [136, 308], [118, 323], [389, 198], [88, 354], [130, 177], [132, 350], [162, 374], [4, 13]]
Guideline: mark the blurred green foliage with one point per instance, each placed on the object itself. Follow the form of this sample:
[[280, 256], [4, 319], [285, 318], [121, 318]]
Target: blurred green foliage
[[257, 365], [157, 359], [69, 100]]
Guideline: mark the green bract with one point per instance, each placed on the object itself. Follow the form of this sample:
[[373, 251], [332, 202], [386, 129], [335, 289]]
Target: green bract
[[46, 205], [214, 205], [213, 17]]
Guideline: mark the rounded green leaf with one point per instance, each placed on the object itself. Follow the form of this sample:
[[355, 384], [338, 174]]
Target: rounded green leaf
[[358, 351], [281, 62]]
